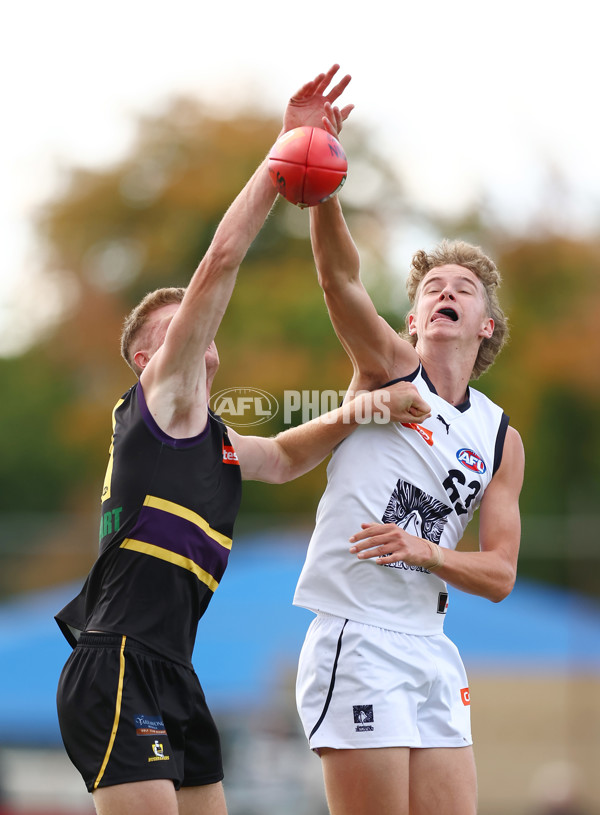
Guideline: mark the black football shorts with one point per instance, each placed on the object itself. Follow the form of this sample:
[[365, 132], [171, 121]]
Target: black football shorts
[[126, 714]]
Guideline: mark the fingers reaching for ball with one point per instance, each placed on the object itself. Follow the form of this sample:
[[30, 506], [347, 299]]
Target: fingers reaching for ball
[[310, 106]]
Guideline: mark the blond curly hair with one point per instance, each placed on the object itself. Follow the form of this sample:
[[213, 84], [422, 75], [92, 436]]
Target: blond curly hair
[[470, 257]]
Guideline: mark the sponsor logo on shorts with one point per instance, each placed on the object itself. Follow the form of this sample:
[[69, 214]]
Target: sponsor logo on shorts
[[363, 717], [148, 726], [465, 696], [158, 751]]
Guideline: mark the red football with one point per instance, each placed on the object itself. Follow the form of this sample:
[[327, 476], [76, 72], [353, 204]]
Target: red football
[[307, 165]]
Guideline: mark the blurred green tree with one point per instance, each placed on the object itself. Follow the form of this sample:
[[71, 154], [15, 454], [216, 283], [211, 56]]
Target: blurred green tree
[[110, 235]]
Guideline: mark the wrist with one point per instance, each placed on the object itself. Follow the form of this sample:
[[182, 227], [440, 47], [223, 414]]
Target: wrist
[[436, 560], [371, 406]]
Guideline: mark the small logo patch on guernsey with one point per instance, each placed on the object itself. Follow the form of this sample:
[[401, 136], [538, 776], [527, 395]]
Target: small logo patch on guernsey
[[229, 455], [422, 431], [363, 717], [470, 460], [465, 696]]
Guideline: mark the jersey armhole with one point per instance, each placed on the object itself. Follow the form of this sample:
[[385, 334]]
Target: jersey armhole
[[408, 378], [500, 438], [159, 434]]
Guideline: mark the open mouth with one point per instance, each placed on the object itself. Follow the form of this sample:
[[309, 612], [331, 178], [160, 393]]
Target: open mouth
[[448, 312]]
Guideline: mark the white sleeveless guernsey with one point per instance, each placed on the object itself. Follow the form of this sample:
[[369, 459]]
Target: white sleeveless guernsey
[[428, 479]]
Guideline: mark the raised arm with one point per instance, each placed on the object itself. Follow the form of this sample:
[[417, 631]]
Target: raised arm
[[174, 378], [297, 450], [377, 352]]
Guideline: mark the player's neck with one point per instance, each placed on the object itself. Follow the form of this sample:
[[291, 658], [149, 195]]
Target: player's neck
[[449, 373]]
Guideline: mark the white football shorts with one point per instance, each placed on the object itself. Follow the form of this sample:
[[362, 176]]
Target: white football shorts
[[359, 686]]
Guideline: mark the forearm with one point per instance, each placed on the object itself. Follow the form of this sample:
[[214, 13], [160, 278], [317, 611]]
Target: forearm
[[237, 230], [371, 344], [302, 448], [306, 446], [489, 573], [210, 289], [297, 450], [485, 574], [336, 257]]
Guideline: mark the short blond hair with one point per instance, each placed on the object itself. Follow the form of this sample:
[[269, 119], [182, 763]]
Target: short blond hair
[[470, 257], [137, 319]]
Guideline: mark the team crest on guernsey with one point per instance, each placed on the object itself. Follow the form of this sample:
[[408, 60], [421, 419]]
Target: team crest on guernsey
[[416, 512]]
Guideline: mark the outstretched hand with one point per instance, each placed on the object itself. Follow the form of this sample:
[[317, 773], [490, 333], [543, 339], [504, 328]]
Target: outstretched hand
[[310, 106]]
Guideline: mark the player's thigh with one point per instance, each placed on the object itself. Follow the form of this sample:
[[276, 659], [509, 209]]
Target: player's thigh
[[207, 800], [361, 782], [156, 797], [443, 779]]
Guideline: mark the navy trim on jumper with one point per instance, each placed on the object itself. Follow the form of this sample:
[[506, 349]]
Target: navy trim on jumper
[[499, 448], [160, 434], [463, 407]]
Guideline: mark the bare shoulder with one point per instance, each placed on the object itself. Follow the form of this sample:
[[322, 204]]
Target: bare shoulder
[[514, 443], [512, 466]]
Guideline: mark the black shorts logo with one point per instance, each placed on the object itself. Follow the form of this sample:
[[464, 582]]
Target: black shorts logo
[[363, 716]]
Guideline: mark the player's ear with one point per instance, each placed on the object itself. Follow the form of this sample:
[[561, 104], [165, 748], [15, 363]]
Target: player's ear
[[141, 359], [487, 329], [411, 322]]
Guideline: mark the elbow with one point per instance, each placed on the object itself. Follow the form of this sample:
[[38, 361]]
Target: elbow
[[328, 281], [499, 595], [503, 586], [280, 477], [284, 471], [333, 280], [222, 256]]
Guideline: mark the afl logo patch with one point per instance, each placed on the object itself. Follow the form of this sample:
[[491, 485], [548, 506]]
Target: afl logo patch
[[470, 460]]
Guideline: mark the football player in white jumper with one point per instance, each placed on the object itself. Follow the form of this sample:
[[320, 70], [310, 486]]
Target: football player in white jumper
[[382, 692]]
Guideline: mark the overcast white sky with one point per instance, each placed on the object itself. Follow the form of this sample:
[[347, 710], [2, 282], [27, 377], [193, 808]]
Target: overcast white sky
[[464, 95]]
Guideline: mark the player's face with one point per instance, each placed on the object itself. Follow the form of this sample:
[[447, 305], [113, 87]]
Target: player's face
[[451, 302]]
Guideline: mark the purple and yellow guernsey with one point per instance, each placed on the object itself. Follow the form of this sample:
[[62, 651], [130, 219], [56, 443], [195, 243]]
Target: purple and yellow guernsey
[[166, 527]]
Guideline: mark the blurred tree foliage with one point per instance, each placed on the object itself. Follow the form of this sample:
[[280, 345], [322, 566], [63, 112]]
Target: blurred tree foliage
[[111, 235]]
